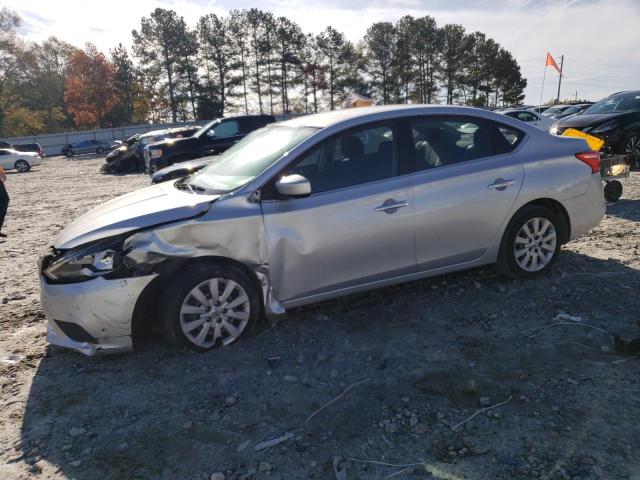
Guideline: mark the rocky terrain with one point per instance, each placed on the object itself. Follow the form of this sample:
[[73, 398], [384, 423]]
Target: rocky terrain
[[465, 376]]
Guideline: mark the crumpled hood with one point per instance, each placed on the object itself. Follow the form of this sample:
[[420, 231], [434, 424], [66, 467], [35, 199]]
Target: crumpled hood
[[587, 120], [162, 203]]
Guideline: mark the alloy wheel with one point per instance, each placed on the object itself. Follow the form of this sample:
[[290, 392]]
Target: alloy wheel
[[633, 147], [22, 166], [535, 244], [215, 313]]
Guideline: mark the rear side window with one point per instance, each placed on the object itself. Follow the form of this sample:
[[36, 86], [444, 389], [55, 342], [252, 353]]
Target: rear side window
[[441, 141], [506, 138]]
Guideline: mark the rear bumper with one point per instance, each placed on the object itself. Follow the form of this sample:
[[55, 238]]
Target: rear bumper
[[92, 316], [587, 210]]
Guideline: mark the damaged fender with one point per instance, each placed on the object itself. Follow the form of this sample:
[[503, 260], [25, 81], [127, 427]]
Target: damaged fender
[[232, 228]]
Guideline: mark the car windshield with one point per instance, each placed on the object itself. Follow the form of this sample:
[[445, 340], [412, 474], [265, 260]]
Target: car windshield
[[249, 157], [622, 102], [574, 109]]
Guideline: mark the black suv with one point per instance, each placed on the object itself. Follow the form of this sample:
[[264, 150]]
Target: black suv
[[212, 139], [616, 120]]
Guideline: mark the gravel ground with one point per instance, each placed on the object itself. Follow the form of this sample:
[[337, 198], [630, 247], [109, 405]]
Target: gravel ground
[[362, 388]]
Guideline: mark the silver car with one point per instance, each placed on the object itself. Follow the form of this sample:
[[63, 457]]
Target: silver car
[[315, 208]]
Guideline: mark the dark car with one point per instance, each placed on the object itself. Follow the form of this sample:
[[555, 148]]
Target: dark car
[[4, 144], [156, 136], [30, 147], [572, 110], [182, 169], [212, 139], [87, 146], [555, 110], [615, 119], [124, 158]]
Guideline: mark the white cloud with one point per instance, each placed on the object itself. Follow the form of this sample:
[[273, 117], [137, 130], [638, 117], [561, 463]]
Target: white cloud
[[599, 38]]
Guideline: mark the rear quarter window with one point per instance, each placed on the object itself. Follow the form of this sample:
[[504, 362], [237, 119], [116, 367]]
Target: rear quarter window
[[505, 137]]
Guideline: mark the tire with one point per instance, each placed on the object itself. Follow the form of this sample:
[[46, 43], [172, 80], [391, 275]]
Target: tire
[[631, 146], [545, 252], [69, 153], [99, 150], [22, 166], [612, 191], [188, 300]]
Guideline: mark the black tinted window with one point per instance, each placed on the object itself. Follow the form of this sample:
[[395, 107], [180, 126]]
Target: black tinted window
[[441, 141], [351, 158]]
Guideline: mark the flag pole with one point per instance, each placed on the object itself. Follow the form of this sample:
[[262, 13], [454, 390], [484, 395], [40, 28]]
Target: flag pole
[[542, 89]]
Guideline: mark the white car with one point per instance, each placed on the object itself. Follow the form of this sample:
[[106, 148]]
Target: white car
[[532, 118], [21, 161]]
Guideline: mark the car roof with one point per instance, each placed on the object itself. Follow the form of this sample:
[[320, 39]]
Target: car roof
[[381, 112]]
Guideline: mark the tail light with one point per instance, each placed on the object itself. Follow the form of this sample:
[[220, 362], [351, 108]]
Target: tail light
[[591, 158]]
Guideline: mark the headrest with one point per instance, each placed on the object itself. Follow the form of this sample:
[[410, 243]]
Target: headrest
[[351, 146]]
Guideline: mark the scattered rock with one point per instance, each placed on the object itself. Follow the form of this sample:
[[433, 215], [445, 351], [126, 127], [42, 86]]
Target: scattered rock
[[77, 431], [75, 463], [230, 400], [290, 378], [265, 467], [187, 425], [217, 476], [485, 401]]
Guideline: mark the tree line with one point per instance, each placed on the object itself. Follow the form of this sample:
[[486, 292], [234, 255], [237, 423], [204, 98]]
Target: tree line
[[248, 61]]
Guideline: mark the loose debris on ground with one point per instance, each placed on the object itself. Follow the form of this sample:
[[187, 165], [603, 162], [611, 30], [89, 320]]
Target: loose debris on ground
[[538, 379]]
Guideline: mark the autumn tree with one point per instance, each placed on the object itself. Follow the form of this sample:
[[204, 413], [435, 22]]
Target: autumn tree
[[89, 91]]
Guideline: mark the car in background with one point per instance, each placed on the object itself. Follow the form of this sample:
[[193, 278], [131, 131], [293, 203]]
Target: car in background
[[11, 159], [182, 169], [87, 146], [4, 144], [555, 110], [156, 136], [615, 119], [532, 118], [212, 139], [540, 108], [576, 109], [30, 147], [313, 209]]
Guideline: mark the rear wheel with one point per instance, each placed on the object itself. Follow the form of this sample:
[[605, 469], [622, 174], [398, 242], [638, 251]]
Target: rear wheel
[[208, 305], [22, 166], [531, 242]]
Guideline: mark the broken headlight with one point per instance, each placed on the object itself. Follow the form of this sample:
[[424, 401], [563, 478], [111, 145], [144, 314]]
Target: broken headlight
[[99, 258]]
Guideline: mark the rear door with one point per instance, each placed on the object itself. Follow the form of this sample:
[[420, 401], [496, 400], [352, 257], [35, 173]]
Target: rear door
[[465, 183], [356, 227]]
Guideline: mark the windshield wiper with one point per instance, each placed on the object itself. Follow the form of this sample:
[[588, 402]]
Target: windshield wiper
[[182, 185]]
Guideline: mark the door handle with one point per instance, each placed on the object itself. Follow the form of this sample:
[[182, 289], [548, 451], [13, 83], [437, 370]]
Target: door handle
[[501, 184], [390, 206]]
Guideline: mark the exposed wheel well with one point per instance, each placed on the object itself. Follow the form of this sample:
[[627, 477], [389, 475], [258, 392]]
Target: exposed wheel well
[[145, 313], [555, 207]]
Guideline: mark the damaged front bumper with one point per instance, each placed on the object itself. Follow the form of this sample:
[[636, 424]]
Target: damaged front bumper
[[92, 316]]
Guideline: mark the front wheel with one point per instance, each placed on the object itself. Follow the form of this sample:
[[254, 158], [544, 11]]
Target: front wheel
[[22, 166], [208, 305], [612, 191], [531, 243]]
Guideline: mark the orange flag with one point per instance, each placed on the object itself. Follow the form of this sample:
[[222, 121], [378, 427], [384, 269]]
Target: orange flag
[[552, 62]]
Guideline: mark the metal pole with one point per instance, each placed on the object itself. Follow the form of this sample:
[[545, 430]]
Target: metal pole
[[542, 89], [560, 79]]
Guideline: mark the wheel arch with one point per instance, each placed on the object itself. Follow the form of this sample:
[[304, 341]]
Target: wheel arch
[[550, 204], [145, 313]]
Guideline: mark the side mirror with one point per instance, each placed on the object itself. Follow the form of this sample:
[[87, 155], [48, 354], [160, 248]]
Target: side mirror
[[293, 186]]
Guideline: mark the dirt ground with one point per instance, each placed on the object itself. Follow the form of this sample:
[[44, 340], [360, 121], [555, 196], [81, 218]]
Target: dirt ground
[[368, 387]]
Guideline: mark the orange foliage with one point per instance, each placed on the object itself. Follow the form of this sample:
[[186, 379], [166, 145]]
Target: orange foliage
[[89, 92]]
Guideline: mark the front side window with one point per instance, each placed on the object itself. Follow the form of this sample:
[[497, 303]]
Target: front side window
[[439, 141], [354, 157], [225, 129]]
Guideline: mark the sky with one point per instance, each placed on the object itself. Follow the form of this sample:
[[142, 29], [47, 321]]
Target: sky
[[599, 39]]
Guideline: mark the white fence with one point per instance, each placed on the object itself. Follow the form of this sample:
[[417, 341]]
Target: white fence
[[52, 143]]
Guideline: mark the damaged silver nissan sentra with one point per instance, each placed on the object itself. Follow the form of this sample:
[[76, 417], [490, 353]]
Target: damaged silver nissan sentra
[[313, 208]]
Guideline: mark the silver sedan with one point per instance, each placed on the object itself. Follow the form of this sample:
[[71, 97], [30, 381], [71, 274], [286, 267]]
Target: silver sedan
[[315, 208]]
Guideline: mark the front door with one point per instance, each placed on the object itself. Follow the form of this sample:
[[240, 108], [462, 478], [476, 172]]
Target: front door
[[464, 188], [356, 227]]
